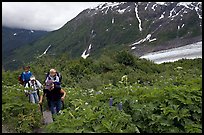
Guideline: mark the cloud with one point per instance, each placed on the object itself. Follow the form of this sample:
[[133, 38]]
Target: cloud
[[41, 15]]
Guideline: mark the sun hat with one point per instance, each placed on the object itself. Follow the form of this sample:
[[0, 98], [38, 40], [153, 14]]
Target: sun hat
[[32, 78], [49, 84]]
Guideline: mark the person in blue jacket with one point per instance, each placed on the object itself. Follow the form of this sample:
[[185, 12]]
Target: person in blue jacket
[[26, 75]]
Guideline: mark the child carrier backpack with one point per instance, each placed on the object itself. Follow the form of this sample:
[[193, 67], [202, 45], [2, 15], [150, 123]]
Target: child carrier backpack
[[58, 74]]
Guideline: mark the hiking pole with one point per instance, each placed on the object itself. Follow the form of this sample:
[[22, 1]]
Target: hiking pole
[[62, 105], [41, 109]]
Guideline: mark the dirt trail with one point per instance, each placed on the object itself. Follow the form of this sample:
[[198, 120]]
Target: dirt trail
[[5, 129], [47, 118]]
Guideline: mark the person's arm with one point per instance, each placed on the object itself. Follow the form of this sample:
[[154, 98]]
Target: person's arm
[[23, 77], [41, 98], [64, 94]]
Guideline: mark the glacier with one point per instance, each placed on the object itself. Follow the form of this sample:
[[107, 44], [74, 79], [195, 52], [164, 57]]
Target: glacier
[[190, 51]]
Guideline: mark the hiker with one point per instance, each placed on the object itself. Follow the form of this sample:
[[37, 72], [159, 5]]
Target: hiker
[[34, 89], [54, 76], [54, 96], [25, 76]]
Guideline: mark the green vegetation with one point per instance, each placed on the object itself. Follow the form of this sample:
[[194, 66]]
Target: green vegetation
[[163, 98], [17, 113]]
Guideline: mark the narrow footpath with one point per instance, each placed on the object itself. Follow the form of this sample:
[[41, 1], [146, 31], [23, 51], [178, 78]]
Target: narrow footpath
[[47, 118]]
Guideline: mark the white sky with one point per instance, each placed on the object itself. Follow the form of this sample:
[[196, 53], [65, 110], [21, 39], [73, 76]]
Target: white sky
[[41, 15]]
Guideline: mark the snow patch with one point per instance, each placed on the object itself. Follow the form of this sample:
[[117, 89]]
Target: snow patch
[[44, 51], [150, 40], [161, 3], [171, 12], [185, 12], [122, 11], [137, 16], [108, 5], [178, 12], [185, 4], [162, 16], [145, 39], [106, 10], [86, 52], [153, 7], [92, 31], [147, 5], [113, 20], [196, 8]]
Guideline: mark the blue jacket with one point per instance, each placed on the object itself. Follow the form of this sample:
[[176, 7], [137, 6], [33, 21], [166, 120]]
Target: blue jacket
[[26, 76]]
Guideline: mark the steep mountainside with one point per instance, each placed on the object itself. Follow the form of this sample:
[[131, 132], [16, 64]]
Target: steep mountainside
[[13, 38], [140, 27]]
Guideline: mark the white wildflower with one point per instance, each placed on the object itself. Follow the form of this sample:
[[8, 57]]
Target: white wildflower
[[179, 68], [136, 100]]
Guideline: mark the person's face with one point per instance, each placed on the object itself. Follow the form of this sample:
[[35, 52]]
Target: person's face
[[52, 73], [26, 69], [52, 87]]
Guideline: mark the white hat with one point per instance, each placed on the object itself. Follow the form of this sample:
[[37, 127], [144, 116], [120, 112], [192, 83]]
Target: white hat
[[32, 78]]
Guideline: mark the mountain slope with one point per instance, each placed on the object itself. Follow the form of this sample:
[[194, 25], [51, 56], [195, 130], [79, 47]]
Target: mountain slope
[[140, 27], [13, 38]]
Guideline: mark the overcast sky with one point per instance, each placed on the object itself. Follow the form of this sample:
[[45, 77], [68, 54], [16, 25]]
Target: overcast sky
[[41, 15]]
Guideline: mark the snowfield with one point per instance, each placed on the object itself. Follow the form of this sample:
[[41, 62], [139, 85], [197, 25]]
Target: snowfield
[[191, 51]]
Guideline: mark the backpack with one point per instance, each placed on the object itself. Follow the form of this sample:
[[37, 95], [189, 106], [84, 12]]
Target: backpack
[[20, 80], [38, 92], [58, 74], [35, 84]]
